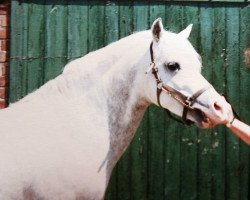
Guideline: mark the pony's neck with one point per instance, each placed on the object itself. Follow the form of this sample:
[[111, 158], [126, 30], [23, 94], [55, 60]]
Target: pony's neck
[[125, 109]]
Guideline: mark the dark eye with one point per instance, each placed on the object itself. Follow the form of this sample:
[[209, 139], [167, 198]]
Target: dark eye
[[173, 66]]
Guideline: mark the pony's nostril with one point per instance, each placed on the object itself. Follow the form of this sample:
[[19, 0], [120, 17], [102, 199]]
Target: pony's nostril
[[217, 106]]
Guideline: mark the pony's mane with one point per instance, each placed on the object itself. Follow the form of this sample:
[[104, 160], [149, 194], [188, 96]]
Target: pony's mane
[[78, 75]]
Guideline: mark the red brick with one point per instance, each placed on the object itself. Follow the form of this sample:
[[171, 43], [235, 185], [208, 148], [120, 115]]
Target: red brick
[[3, 56], [4, 32], [4, 69], [3, 92], [5, 2], [4, 20], [5, 8], [3, 81], [4, 45], [3, 103]]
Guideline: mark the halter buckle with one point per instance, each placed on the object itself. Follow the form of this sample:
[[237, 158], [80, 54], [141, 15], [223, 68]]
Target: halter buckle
[[152, 65], [189, 102], [159, 85]]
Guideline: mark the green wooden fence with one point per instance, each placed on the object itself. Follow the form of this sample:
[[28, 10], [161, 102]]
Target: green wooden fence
[[166, 160]]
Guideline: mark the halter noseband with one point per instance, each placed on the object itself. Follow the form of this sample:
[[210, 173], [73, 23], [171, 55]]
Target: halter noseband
[[186, 101]]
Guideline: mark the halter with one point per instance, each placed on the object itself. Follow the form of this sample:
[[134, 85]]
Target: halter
[[186, 101]]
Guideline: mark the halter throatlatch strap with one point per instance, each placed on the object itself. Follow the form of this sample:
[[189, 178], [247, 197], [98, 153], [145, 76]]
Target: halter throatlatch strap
[[156, 75], [151, 52]]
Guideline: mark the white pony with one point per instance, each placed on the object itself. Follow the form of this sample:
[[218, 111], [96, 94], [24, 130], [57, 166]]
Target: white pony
[[62, 141]]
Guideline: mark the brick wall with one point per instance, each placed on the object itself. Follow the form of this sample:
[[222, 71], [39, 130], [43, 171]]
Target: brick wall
[[4, 51]]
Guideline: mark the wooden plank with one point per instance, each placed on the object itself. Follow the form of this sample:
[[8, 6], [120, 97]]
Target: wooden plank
[[188, 156], [111, 22], [228, 1], [35, 46], [244, 167], [56, 38], [173, 22], [233, 88], [96, 25], [139, 156], [16, 52], [124, 177], [125, 19], [18, 70], [173, 18], [157, 117], [139, 161], [77, 28], [191, 0], [204, 0], [156, 10], [111, 192], [141, 15], [205, 148], [25, 36], [156, 153], [218, 134]]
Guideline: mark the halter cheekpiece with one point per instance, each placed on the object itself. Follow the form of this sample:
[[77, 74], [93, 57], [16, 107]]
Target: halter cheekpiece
[[186, 101]]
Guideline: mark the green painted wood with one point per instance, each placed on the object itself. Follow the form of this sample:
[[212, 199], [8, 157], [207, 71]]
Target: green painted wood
[[192, 0], [35, 46], [210, 0], [228, 1], [205, 144], [125, 19], [189, 135], [233, 84], [165, 159], [55, 38], [111, 192], [156, 154], [111, 22], [157, 117], [173, 22], [219, 133], [16, 62], [96, 25], [205, 0], [19, 58], [25, 35], [77, 43], [244, 169]]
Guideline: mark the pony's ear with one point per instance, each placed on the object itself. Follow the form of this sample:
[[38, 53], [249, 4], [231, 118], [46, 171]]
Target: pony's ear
[[186, 32], [157, 29]]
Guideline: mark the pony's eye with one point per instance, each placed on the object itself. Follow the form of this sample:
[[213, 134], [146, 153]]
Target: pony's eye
[[173, 66]]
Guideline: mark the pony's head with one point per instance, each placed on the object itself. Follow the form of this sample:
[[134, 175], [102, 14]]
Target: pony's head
[[174, 80]]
